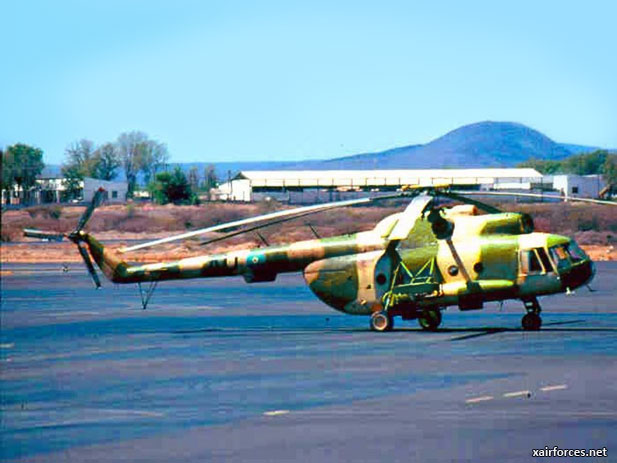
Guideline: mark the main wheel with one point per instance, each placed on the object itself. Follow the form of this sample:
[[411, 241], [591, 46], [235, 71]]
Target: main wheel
[[381, 321], [531, 322], [430, 319]]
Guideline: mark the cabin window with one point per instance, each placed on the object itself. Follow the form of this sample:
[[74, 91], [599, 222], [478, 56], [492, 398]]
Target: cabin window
[[530, 263], [114, 194], [545, 260]]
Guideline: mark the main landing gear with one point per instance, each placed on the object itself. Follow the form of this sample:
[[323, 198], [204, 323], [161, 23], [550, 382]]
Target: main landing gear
[[531, 320], [430, 319]]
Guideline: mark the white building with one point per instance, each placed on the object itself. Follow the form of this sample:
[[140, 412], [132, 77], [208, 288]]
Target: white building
[[327, 185], [115, 191], [582, 186], [53, 190]]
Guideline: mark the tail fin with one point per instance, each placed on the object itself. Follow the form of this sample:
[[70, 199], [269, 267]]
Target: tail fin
[[110, 263]]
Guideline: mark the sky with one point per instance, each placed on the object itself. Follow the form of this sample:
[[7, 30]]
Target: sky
[[268, 80]]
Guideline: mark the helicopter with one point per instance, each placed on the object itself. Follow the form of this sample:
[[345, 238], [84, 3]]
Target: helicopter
[[412, 264]]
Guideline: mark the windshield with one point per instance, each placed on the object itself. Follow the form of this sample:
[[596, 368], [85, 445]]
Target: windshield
[[565, 255], [576, 253]]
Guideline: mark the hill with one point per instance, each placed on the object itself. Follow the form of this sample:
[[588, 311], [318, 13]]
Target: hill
[[483, 144]]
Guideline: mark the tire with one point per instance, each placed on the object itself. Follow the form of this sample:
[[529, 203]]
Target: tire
[[531, 322], [430, 320], [381, 321]]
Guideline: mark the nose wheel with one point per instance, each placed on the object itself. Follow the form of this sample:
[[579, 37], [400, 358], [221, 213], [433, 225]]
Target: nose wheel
[[382, 321], [531, 320]]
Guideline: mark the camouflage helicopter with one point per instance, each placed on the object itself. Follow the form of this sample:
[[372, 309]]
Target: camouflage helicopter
[[412, 264]]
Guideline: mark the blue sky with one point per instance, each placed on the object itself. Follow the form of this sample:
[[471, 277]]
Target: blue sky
[[232, 80]]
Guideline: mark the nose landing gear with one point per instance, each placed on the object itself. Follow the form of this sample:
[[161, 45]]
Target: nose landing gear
[[382, 321], [531, 320]]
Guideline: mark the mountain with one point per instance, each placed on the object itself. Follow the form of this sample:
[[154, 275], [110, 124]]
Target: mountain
[[484, 144]]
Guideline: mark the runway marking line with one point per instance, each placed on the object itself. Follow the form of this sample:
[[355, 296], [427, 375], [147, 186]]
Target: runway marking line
[[517, 394], [556, 387], [483, 398], [276, 412]]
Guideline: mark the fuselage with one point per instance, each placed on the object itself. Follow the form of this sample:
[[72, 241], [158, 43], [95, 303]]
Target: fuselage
[[489, 257]]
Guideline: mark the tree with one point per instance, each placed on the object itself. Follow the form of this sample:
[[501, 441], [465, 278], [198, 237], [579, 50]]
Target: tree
[[193, 178], [21, 164], [172, 188], [130, 149], [153, 157], [107, 162], [609, 171], [578, 164], [546, 167], [140, 154], [586, 163], [81, 155], [5, 177], [80, 163], [210, 179]]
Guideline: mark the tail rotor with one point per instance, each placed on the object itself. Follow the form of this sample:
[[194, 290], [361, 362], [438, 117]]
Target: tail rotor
[[86, 257], [77, 236]]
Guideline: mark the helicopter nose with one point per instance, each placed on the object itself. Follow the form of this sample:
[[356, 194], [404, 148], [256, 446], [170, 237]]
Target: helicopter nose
[[578, 275]]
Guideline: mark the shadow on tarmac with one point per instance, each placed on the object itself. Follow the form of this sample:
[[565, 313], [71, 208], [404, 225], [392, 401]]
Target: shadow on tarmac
[[470, 332]]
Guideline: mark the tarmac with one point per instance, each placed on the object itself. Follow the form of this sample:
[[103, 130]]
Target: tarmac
[[220, 370]]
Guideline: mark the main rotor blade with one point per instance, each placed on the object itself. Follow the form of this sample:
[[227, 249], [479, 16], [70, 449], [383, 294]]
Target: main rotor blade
[[306, 210], [535, 195], [96, 199], [479, 204], [88, 262], [408, 218], [256, 227]]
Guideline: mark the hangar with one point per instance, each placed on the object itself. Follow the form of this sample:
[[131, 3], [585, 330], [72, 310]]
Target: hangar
[[310, 186]]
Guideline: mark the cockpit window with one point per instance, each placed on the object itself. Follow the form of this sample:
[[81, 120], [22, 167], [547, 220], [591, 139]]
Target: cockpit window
[[576, 253], [566, 254], [560, 256]]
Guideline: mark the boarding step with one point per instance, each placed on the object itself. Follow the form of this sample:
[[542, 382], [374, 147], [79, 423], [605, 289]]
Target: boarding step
[[412, 292]]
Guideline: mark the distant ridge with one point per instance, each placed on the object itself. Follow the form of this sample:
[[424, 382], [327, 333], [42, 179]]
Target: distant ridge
[[482, 144]]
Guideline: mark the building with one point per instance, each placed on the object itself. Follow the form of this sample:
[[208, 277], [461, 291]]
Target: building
[[53, 190], [310, 186], [115, 192], [582, 186]]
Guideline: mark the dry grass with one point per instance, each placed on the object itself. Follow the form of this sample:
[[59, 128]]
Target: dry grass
[[592, 225], [150, 219]]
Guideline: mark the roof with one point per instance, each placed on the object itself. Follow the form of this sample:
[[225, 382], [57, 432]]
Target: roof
[[105, 183], [384, 177]]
